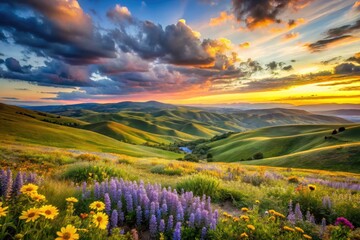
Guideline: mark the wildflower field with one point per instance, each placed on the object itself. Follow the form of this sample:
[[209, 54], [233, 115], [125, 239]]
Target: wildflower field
[[49, 193]]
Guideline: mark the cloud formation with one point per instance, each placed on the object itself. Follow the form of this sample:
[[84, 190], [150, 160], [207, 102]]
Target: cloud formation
[[221, 19], [355, 58], [334, 36], [58, 29], [262, 13]]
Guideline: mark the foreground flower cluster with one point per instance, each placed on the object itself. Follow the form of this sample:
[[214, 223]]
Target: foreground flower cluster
[[161, 211], [129, 210]]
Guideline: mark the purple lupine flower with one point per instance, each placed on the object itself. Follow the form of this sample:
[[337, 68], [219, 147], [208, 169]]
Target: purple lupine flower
[[308, 215], [170, 223], [298, 213], [113, 190], [121, 218], [138, 216], [326, 202], [152, 208], [343, 221], [198, 216], [203, 233], [18, 183], [107, 202], [153, 226], [114, 219], [97, 190], [8, 184], [129, 202], [179, 213], [192, 220], [177, 231], [164, 208], [291, 218], [312, 219], [162, 226]]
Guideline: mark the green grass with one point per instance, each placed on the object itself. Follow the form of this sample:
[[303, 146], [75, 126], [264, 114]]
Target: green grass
[[21, 128], [344, 157]]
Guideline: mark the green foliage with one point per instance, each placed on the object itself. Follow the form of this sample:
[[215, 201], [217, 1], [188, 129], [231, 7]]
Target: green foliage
[[79, 173], [200, 185], [161, 169], [191, 158]]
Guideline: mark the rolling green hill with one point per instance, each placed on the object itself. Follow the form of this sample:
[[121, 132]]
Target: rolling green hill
[[281, 141], [155, 122], [343, 157], [26, 126]]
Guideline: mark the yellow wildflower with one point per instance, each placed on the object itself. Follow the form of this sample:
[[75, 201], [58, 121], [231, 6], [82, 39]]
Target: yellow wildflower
[[244, 209], [299, 230], [307, 236], [3, 210], [101, 220], [272, 218], [312, 187], [288, 229], [251, 227], [236, 219], [244, 217], [71, 200], [257, 202], [277, 214], [49, 211], [97, 205], [28, 189], [244, 235], [271, 211], [30, 215], [67, 233], [37, 197]]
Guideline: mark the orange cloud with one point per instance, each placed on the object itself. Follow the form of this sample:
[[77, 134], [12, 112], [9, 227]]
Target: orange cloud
[[244, 45], [291, 35], [221, 19], [253, 24], [292, 23]]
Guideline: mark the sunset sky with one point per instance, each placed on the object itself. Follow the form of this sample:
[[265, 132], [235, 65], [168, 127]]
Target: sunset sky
[[183, 52]]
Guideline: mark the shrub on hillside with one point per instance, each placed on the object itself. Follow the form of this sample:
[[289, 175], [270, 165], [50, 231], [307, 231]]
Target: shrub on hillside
[[79, 173], [200, 185], [341, 129], [191, 158], [258, 155], [88, 157]]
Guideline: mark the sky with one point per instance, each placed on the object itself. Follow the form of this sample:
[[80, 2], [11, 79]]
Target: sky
[[294, 52]]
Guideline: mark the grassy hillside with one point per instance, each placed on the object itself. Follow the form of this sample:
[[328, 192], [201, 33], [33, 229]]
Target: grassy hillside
[[281, 141], [19, 125], [343, 157]]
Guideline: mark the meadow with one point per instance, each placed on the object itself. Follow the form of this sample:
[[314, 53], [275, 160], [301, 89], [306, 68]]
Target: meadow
[[56, 193]]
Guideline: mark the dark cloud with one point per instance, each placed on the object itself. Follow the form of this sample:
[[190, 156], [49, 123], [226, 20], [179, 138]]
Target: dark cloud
[[331, 60], [334, 35], [261, 13], [21, 89], [59, 29], [355, 58], [9, 98], [53, 73], [175, 44], [13, 65], [274, 67], [346, 68]]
